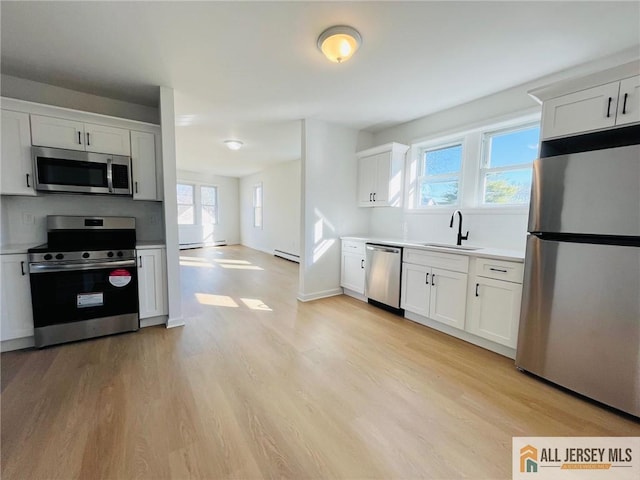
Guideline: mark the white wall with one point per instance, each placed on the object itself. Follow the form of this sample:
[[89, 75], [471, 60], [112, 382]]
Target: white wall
[[24, 218], [281, 185], [329, 203], [14, 87], [227, 229]]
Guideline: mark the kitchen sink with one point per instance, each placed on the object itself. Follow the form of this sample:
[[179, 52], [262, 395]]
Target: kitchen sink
[[453, 247]]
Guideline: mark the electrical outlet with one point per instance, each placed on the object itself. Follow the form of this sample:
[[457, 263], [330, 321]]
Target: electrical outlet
[[28, 219]]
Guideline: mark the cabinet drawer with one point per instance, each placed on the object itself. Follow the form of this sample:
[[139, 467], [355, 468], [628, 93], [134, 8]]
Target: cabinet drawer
[[499, 270], [353, 246], [456, 263]]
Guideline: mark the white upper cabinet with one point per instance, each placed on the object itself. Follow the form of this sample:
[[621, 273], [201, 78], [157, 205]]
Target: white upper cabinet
[[57, 133], [597, 108], [629, 101], [72, 135], [380, 175], [143, 160], [16, 167], [104, 139]]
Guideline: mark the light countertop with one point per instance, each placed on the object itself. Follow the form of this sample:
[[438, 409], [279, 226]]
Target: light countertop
[[150, 244], [16, 248], [495, 253]]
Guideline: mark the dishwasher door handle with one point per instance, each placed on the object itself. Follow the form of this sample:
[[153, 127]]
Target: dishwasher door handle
[[383, 249]]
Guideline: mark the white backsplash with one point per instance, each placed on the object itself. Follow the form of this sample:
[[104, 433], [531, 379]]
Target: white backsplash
[[23, 219], [486, 229]]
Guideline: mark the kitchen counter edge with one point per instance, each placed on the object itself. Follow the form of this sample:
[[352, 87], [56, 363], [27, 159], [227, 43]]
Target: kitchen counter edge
[[494, 253]]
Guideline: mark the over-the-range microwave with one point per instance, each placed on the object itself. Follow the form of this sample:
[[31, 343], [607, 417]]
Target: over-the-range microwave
[[58, 170]]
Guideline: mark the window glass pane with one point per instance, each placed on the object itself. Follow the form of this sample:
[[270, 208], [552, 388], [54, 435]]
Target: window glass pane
[[209, 214], [439, 193], [511, 187], [208, 195], [257, 196], [257, 217], [443, 161], [514, 148], [185, 194], [185, 215]]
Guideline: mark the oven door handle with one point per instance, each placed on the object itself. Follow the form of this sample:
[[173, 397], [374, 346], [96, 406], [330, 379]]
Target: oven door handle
[[48, 268]]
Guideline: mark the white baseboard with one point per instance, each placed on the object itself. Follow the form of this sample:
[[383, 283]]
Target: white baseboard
[[462, 335], [307, 297], [152, 321], [175, 322], [292, 257], [16, 344], [356, 295]]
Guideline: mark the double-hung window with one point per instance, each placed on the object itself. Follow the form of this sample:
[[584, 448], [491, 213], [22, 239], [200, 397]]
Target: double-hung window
[[439, 175], [186, 210], [506, 169], [257, 205], [209, 204]]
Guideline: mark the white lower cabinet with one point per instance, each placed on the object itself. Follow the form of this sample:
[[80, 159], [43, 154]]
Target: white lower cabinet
[[17, 315], [352, 275], [152, 286], [494, 301], [435, 292]]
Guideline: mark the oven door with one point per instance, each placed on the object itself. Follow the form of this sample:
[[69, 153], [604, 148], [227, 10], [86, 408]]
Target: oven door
[[64, 294]]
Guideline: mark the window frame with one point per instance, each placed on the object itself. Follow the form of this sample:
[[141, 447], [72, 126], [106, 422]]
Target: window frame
[[214, 205], [192, 204], [258, 188], [484, 170]]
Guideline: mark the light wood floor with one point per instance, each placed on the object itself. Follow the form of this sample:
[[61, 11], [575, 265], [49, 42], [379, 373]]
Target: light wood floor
[[258, 385]]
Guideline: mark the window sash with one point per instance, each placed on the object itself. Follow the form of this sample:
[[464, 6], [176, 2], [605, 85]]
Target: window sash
[[441, 177]]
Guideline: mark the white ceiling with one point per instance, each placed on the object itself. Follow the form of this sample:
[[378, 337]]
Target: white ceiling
[[251, 70]]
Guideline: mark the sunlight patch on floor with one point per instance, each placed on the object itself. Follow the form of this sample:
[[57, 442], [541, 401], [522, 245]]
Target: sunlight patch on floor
[[190, 263], [256, 304], [216, 300], [235, 262], [242, 267]]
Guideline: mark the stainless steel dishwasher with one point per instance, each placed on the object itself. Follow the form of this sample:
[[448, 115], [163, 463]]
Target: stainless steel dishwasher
[[382, 284]]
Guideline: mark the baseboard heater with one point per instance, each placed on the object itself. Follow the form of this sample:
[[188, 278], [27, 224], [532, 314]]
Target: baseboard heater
[[215, 243], [287, 256]]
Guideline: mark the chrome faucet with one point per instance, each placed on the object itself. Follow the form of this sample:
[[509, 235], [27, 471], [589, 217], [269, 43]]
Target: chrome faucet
[[460, 236]]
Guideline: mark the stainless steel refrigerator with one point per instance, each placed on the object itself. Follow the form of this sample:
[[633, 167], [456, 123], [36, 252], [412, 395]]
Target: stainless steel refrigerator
[[580, 317]]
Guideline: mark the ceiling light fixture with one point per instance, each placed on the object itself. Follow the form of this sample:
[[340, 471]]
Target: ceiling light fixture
[[339, 43], [233, 144]]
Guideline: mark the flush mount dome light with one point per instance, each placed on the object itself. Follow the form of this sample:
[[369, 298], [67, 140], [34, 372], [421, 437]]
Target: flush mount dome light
[[233, 144], [339, 43]]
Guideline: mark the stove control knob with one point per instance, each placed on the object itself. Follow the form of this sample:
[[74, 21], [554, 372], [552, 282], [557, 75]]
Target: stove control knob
[[85, 255], [110, 254], [120, 254], [59, 256], [48, 256]]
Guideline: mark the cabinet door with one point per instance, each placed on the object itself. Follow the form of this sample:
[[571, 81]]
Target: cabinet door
[[143, 159], [415, 288], [591, 109], [57, 133], [352, 275], [367, 174], [495, 310], [16, 175], [382, 178], [17, 315], [151, 283], [103, 139], [629, 101], [448, 297]]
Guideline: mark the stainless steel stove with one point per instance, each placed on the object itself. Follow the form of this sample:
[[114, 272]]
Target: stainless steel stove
[[84, 280]]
